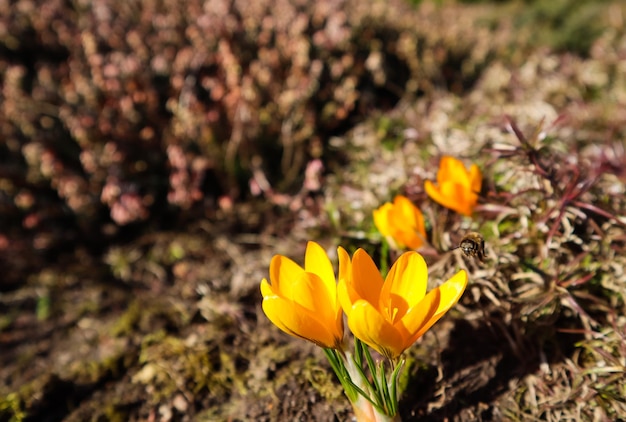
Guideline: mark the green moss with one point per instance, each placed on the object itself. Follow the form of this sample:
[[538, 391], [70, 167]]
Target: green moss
[[12, 408], [322, 379], [144, 315]]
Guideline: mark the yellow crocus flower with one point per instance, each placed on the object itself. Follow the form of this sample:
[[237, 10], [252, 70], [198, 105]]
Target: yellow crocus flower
[[457, 188], [303, 301], [402, 223], [391, 315]]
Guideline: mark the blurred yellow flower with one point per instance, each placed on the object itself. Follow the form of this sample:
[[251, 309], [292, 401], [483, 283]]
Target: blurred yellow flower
[[303, 301], [401, 223], [391, 315], [457, 188]]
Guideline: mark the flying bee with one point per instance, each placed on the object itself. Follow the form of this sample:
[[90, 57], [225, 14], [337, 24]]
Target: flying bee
[[473, 245]]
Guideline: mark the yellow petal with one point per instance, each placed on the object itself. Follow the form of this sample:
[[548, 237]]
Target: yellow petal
[[451, 169], [266, 289], [476, 178], [433, 192], [419, 316], [381, 219], [313, 296], [365, 279], [405, 285], [455, 197], [345, 264], [316, 261], [346, 296], [294, 320], [282, 273], [450, 292], [409, 222], [368, 325]]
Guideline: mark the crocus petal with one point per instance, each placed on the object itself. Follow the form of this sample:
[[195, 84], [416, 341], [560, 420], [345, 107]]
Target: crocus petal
[[455, 197], [304, 303], [316, 261], [449, 199], [313, 296], [402, 223], [294, 320], [282, 271], [266, 289], [345, 293], [405, 285], [366, 279], [432, 191], [368, 325], [452, 169], [382, 220], [457, 188], [412, 232], [345, 264], [450, 292], [476, 178], [419, 316]]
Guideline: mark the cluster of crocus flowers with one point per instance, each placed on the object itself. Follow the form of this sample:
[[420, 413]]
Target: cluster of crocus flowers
[[457, 187], [388, 315], [401, 222]]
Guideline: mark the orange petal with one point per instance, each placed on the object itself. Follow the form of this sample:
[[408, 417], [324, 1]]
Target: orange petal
[[450, 292], [448, 195], [410, 222], [346, 296], [266, 289], [282, 273], [451, 169], [316, 261], [419, 316], [366, 279], [313, 296], [298, 322], [368, 325], [476, 178], [456, 197], [433, 192], [345, 264], [405, 285], [381, 219]]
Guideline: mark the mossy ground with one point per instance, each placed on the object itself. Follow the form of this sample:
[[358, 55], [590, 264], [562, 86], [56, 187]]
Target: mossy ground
[[162, 319]]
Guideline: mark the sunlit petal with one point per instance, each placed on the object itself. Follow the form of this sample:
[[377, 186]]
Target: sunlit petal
[[266, 289], [419, 316], [450, 292], [455, 197], [367, 324], [316, 261], [303, 303], [314, 297], [407, 280], [401, 222], [475, 177], [382, 221], [282, 272], [298, 322], [457, 188], [366, 279], [451, 169]]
